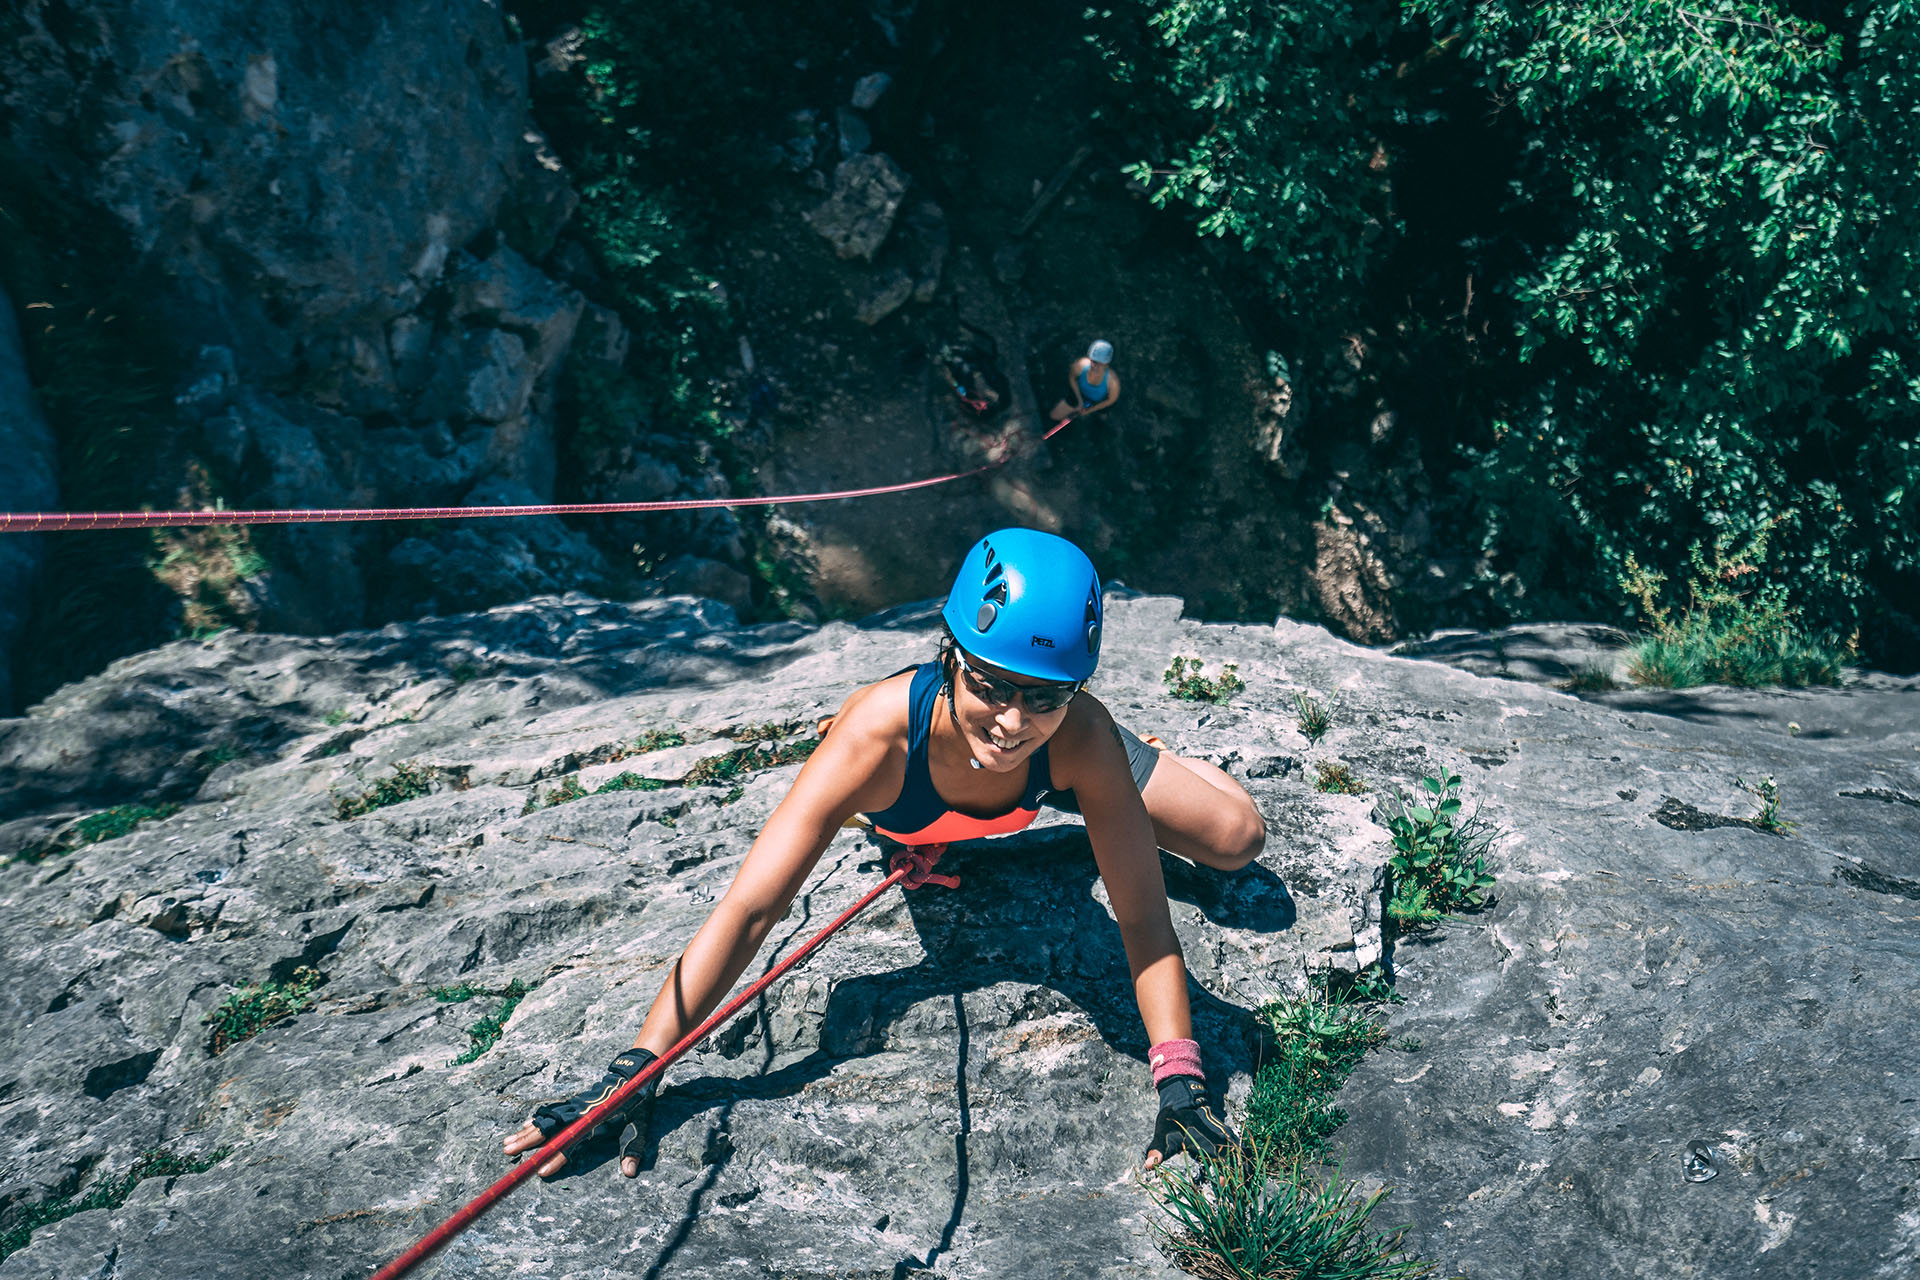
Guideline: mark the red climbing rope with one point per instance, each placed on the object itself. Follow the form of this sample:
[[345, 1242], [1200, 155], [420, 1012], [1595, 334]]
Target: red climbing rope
[[573, 1132], [54, 521]]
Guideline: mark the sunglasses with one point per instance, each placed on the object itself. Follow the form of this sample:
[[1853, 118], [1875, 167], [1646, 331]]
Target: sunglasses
[[1039, 698]]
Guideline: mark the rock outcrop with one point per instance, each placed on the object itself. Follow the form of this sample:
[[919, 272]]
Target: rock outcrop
[[955, 1085]]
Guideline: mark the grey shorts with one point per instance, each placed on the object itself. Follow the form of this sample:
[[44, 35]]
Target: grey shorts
[[1140, 758]]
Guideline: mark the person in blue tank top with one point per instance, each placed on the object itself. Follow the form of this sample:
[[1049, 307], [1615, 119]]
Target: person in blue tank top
[[1092, 385], [972, 744]]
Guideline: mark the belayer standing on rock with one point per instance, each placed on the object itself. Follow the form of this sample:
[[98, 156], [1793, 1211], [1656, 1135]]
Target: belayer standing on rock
[[1092, 385], [969, 745]]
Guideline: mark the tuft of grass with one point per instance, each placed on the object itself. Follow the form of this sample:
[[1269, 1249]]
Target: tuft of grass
[[1767, 792], [624, 781], [108, 824], [249, 1010], [111, 824], [1438, 866], [1184, 681], [485, 1032], [658, 740], [1336, 778], [1314, 717], [569, 789], [1590, 677], [408, 781], [109, 1193], [334, 719], [1234, 1222]]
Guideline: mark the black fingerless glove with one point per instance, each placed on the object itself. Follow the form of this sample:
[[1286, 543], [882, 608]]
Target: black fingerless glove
[[636, 1110], [1187, 1122]]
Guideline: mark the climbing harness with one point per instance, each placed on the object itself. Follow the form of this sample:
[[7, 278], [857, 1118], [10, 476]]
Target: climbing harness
[[55, 521], [579, 1129]]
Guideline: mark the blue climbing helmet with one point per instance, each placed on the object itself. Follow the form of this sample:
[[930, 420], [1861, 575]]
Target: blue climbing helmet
[[1028, 602]]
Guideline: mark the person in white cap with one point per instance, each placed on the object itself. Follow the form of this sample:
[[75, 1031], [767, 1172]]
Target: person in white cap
[[1091, 383]]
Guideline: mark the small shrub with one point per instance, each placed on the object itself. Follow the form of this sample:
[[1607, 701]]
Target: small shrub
[[109, 1193], [733, 795], [1767, 792], [1721, 635], [1411, 1044], [250, 1010], [335, 718], [1314, 718], [1373, 985], [408, 781], [1184, 681], [624, 781], [569, 789], [485, 1032], [1337, 779], [1438, 865]]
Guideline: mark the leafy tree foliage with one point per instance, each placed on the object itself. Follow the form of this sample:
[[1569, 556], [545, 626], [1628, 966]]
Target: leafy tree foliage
[[1696, 269]]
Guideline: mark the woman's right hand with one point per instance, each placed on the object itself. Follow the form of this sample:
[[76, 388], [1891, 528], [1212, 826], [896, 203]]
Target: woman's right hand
[[636, 1110]]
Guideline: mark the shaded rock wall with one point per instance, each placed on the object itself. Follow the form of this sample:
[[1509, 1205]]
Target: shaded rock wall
[[956, 1084], [26, 484], [343, 215]]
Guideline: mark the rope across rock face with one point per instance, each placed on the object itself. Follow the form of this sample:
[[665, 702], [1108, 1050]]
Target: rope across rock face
[[58, 521], [580, 1128]]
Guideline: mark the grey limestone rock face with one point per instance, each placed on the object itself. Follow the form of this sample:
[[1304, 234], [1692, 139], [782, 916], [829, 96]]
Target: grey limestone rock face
[[955, 1085]]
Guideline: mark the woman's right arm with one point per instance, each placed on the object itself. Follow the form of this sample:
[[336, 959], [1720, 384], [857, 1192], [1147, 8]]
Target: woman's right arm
[[842, 777], [858, 767]]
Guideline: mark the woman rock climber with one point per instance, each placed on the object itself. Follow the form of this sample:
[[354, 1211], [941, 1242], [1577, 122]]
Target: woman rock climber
[[968, 745], [1092, 385]]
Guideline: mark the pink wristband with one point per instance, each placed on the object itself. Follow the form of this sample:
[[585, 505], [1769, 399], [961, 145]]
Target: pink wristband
[[1174, 1058]]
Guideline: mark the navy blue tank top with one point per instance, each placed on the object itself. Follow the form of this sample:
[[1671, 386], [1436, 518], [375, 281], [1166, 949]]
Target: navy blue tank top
[[919, 815]]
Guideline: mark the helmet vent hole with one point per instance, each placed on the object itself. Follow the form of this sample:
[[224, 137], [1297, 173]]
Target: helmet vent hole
[[998, 593], [996, 571]]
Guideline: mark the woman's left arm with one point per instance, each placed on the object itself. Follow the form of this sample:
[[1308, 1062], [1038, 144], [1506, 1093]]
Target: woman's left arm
[[1113, 392], [1090, 758]]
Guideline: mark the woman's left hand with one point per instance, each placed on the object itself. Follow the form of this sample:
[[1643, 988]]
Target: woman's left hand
[[1187, 1123]]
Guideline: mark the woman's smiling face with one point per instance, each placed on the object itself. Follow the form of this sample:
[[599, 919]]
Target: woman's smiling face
[[1001, 735]]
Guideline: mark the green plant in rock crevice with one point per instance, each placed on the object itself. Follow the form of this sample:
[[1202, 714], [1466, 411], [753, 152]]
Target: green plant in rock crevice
[[108, 1193], [1314, 718], [1438, 865], [248, 1011], [486, 1031], [1767, 792], [1336, 778], [1184, 681], [408, 781]]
